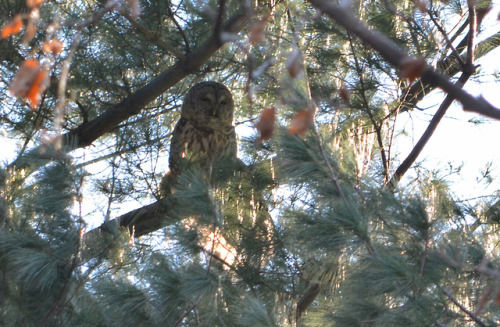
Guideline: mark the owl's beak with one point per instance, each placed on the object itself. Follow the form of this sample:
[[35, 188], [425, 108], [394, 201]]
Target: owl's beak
[[214, 112]]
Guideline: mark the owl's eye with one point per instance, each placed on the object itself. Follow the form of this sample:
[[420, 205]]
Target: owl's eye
[[206, 99], [224, 102]]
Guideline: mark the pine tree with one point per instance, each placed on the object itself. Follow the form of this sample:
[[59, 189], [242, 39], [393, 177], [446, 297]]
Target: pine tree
[[314, 225]]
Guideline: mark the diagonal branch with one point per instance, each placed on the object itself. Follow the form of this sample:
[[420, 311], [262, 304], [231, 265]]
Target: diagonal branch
[[396, 56], [468, 70], [132, 105], [464, 309], [450, 66], [429, 131]]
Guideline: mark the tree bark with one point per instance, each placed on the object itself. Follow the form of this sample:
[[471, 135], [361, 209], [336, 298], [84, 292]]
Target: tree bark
[[88, 132]]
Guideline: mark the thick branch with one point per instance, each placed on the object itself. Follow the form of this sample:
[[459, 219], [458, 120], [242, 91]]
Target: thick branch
[[417, 149], [397, 57], [468, 70], [140, 221], [450, 66], [88, 132]]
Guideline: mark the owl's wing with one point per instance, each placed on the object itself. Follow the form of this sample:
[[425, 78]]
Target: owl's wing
[[176, 147]]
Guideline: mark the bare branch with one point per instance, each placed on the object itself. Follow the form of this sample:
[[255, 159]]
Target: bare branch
[[397, 57], [89, 131], [468, 70], [445, 36], [464, 309], [153, 36]]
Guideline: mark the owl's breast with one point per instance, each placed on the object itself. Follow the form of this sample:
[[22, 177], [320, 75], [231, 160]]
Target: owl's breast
[[214, 142]]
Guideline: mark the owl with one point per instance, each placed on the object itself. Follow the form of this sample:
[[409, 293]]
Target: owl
[[205, 129]]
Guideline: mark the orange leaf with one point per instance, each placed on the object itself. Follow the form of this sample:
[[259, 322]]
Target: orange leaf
[[30, 82], [412, 68], [257, 30], [13, 27], [301, 122], [266, 122], [37, 88], [295, 64], [54, 46], [34, 3], [421, 5], [344, 93]]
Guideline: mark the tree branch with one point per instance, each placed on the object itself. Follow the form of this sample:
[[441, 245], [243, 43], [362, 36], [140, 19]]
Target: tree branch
[[89, 131], [468, 70], [450, 66], [393, 54], [464, 309], [140, 221]]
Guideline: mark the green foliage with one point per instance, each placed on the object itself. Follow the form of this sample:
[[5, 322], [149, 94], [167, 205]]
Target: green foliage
[[242, 241]]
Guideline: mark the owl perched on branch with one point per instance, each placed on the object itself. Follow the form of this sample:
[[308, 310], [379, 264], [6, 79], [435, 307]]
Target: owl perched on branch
[[205, 131]]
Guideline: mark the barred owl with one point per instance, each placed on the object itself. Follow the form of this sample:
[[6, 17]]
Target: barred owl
[[205, 128]]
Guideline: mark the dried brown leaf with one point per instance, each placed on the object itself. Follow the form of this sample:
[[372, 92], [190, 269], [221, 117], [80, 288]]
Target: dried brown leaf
[[135, 9], [15, 25], [301, 122], [53, 46], [257, 30], [412, 68], [30, 81], [295, 64], [421, 5], [344, 93], [266, 123]]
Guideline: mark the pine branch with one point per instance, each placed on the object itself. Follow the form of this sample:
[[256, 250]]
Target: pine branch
[[468, 70], [449, 65], [464, 309], [141, 221], [88, 132], [307, 298], [154, 37], [393, 54]]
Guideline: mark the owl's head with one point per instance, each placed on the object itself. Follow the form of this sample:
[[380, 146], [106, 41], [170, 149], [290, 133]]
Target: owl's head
[[209, 104]]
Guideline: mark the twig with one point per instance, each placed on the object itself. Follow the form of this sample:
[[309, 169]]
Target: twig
[[378, 129], [218, 20], [391, 52], [333, 176], [445, 35], [429, 131], [471, 35], [179, 28], [151, 36], [464, 309]]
